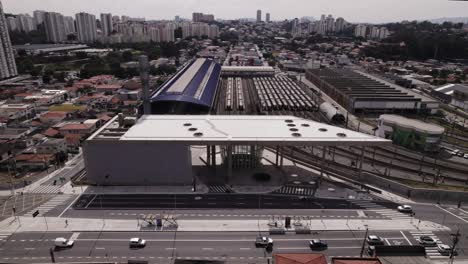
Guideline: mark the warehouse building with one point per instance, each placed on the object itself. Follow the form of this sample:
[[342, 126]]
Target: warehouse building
[[192, 90], [157, 150], [454, 94], [410, 133], [359, 92]]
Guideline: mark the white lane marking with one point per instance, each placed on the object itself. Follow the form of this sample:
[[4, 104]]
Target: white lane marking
[[245, 248], [296, 248], [464, 220], [170, 248], [407, 240], [29, 248], [100, 248], [74, 236], [68, 207], [386, 240], [361, 213], [207, 248]]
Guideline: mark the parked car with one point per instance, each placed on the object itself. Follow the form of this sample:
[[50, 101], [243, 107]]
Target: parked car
[[317, 244], [405, 209], [427, 241], [63, 242], [263, 242], [460, 154], [137, 242], [374, 240], [445, 249], [466, 156]]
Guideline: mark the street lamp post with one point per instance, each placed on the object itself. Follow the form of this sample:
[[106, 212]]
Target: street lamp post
[[364, 241]]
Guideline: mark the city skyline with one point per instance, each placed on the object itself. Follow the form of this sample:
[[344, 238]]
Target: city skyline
[[362, 11]]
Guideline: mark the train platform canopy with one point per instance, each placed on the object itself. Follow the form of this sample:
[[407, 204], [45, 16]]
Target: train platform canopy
[[244, 130], [195, 83]]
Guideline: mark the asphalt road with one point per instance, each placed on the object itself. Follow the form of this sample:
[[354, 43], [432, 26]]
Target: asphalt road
[[164, 246], [206, 201]]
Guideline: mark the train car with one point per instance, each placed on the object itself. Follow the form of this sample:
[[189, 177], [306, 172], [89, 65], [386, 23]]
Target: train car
[[332, 114]]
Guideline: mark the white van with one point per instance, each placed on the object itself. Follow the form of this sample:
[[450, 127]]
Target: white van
[[63, 242]]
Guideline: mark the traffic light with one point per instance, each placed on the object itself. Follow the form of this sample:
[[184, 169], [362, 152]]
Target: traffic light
[[35, 213]]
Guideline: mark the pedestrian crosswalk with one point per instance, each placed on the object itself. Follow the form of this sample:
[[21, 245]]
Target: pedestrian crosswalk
[[219, 189], [431, 251], [294, 190], [46, 189], [51, 204], [4, 236], [384, 211]]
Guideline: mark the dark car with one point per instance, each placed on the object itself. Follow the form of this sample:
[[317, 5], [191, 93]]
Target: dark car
[[264, 242], [317, 244]]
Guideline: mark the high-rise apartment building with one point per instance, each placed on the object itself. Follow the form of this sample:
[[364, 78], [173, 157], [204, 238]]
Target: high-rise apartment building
[[259, 16], [200, 17], [55, 27], [7, 59], [12, 23], [39, 16], [339, 24], [25, 23], [106, 24], [69, 23], [267, 17], [360, 31], [86, 27]]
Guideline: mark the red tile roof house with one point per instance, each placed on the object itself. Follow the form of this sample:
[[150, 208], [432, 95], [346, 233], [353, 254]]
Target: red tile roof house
[[77, 129], [52, 117], [108, 88], [300, 258], [34, 161]]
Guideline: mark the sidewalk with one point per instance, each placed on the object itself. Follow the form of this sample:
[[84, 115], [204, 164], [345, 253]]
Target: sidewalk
[[56, 224], [39, 182]]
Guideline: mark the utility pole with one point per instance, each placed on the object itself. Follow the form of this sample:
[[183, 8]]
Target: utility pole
[[454, 244], [364, 241]]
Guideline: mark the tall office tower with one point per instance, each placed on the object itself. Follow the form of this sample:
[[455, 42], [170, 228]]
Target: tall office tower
[[7, 59], [55, 27], [86, 27], [39, 16], [339, 24], [197, 17], [25, 23], [322, 25], [259, 16], [106, 24], [267, 18], [69, 25], [360, 31], [177, 19]]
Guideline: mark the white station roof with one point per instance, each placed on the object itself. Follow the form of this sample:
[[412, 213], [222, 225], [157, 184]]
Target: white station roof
[[240, 130]]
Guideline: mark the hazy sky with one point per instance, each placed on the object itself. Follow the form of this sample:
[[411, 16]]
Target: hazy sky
[[352, 10]]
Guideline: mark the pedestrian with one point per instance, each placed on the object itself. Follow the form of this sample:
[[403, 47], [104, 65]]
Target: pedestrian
[[66, 222]]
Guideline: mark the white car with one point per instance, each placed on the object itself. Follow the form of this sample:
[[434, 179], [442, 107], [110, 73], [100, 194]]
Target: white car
[[373, 240], [405, 209], [466, 156], [137, 242], [445, 249], [63, 242]]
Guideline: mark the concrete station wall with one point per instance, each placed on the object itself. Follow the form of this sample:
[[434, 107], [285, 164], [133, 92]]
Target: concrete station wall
[[129, 163], [418, 194]]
